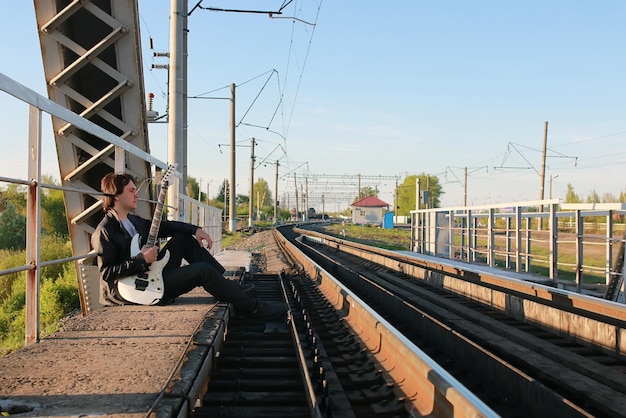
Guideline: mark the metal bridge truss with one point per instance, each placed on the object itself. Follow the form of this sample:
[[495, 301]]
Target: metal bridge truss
[[92, 63]]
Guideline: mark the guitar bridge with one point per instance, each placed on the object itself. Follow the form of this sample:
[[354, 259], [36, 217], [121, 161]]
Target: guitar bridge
[[141, 284]]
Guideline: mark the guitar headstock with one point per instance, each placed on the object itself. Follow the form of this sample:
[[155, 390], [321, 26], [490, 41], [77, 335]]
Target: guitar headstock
[[165, 178]]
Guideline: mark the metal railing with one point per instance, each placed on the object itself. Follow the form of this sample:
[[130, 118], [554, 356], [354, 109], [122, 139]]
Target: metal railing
[[525, 236], [194, 211]]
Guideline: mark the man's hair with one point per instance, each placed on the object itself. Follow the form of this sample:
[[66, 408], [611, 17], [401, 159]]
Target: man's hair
[[112, 185]]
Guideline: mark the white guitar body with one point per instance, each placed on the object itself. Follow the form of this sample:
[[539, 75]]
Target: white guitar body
[[146, 288]]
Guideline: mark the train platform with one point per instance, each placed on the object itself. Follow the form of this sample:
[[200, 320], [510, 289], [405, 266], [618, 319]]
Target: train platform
[[123, 361]]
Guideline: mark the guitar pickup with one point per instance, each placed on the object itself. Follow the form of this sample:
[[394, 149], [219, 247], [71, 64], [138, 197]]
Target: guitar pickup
[[141, 284]]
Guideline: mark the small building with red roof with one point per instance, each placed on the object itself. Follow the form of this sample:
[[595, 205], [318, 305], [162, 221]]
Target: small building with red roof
[[369, 210]]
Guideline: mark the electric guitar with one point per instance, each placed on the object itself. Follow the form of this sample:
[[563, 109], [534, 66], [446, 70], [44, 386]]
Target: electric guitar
[[148, 288]]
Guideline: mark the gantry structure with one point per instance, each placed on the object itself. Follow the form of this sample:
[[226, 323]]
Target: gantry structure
[[330, 192]]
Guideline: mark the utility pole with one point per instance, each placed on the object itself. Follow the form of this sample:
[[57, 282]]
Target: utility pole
[[427, 197], [232, 212], [176, 105], [306, 209], [465, 188], [295, 185], [551, 178], [303, 203], [250, 215], [543, 169], [276, 196], [418, 192], [543, 162], [395, 206], [185, 32], [259, 201], [226, 198]]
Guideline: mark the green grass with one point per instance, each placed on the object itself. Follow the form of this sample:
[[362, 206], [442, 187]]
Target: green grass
[[594, 257], [390, 239], [231, 238], [58, 293]]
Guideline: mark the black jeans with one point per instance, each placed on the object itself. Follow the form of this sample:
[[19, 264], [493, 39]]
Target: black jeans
[[202, 270]]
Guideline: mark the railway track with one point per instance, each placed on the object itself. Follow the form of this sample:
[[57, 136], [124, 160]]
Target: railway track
[[517, 367], [257, 373], [364, 339], [315, 363], [310, 365]]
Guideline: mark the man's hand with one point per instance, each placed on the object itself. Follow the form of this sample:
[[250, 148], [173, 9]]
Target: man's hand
[[150, 254], [201, 236]]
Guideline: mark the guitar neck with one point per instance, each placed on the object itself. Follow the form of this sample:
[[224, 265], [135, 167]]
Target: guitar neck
[[156, 219]]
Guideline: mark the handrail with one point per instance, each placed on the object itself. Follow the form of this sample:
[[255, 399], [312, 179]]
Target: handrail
[[44, 104], [33, 264], [509, 237]]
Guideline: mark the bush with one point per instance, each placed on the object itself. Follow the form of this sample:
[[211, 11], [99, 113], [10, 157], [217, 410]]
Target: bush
[[12, 229], [16, 336], [9, 260], [13, 321], [54, 247], [58, 298]]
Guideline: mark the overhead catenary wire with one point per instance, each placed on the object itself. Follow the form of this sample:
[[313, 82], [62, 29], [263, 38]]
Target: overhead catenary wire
[[303, 66], [282, 92], [273, 71]]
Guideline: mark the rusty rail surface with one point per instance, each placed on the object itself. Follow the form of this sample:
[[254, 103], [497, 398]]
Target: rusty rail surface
[[430, 388], [589, 320], [528, 345]]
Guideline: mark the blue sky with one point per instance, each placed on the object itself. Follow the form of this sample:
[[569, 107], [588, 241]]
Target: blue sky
[[387, 89]]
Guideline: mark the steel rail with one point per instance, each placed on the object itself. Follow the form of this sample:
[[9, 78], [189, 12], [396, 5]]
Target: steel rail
[[311, 398], [536, 302], [420, 311], [428, 386]]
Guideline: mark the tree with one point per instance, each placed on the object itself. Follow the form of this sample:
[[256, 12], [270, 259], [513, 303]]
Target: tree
[[609, 198], [571, 196], [262, 193], [13, 217], [263, 199], [284, 214], [365, 192], [593, 197], [53, 217], [14, 195], [242, 199], [193, 188], [406, 193], [12, 229], [221, 191]]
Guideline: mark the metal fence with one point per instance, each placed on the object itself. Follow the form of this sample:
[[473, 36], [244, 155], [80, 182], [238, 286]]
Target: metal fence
[[576, 242], [194, 211]]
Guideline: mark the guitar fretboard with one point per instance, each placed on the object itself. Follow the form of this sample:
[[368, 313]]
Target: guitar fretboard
[[156, 219], [158, 211]]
